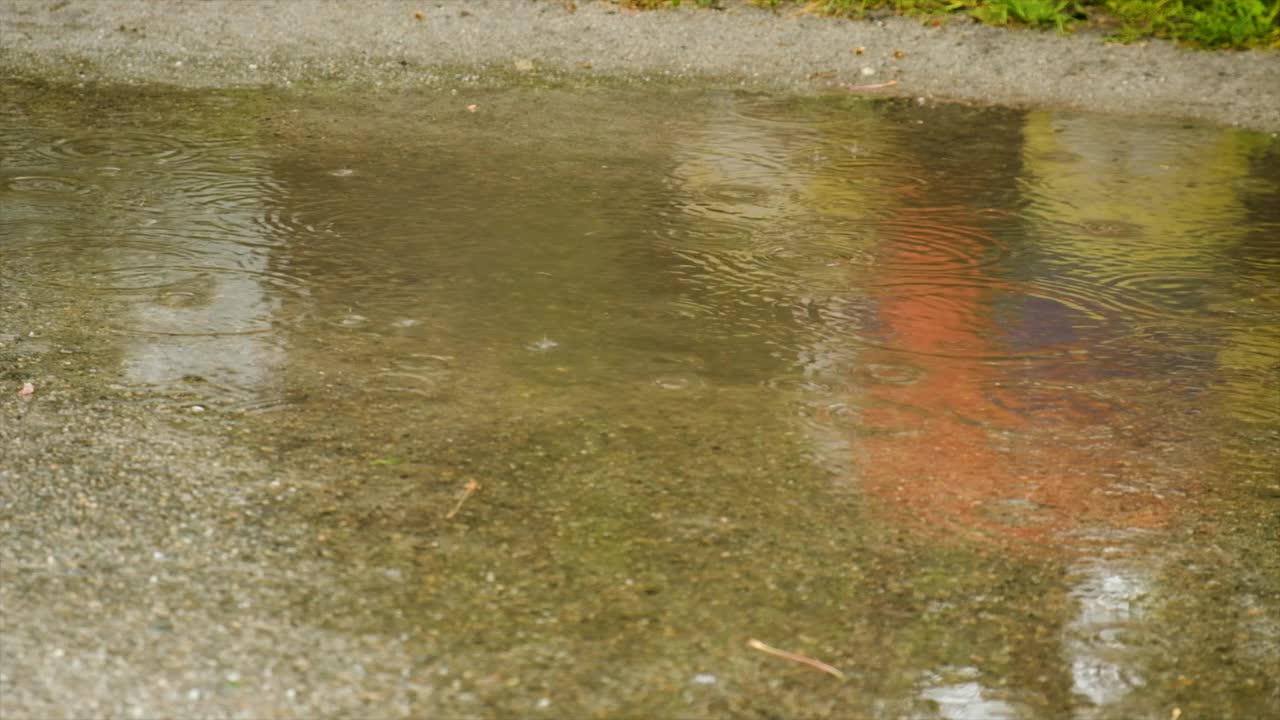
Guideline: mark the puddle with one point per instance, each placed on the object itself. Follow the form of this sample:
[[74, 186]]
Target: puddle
[[581, 391]]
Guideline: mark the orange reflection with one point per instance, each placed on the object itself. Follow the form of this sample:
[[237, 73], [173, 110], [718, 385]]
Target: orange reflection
[[953, 440]]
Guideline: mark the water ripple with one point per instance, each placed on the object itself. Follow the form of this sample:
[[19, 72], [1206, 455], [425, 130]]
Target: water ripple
[[926, 240], [57, 184], [129, 145]]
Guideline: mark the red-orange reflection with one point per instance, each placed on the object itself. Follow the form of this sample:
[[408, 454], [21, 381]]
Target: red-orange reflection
[[953, 440]]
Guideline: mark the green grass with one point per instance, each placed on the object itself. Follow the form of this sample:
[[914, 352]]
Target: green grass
[[1213, 24], [1205, 23], [1056, 13]]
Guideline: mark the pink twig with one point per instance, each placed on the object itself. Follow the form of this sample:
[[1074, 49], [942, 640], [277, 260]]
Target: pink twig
[[873, 86], [816, 664], [471, 487]]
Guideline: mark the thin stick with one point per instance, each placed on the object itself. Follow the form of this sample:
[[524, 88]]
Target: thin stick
[[872, 86], [471, 487], [815, 664]]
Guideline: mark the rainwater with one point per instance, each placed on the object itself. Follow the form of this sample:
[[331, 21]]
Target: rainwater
[[979, 407]]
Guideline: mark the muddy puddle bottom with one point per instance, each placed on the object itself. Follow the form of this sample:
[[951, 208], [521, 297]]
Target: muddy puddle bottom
[[555, 399]]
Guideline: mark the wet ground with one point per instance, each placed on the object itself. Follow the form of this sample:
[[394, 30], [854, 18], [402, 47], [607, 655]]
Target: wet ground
[[396, 45], [546, 402]]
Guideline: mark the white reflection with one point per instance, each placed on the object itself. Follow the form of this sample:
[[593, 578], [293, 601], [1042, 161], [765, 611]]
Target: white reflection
[[1102, 661], [198, 281], [959, 698], [220, 338]]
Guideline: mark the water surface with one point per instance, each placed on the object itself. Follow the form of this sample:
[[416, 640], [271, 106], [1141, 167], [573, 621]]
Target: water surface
[[981, 407]]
